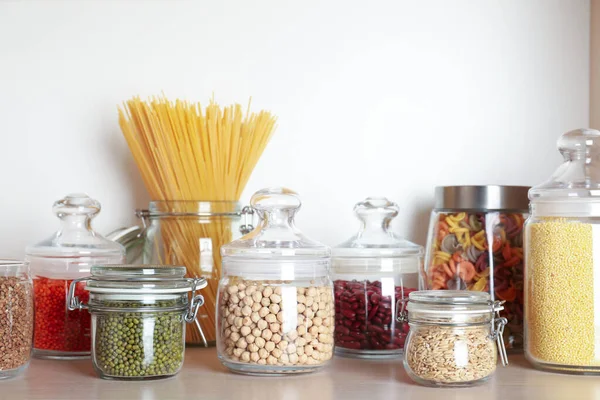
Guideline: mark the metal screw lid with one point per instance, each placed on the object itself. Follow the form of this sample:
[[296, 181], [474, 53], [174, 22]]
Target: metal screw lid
[[489, 197]]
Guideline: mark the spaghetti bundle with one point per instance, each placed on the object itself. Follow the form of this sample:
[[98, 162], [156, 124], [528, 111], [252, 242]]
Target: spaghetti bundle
[[185, 152]]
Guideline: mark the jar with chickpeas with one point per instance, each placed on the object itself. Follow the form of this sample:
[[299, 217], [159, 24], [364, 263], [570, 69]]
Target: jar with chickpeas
[[275, 312], [562, 261]]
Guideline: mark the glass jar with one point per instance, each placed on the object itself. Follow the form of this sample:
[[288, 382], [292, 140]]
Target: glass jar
[[138, 318], [275, 303], [16, 317], [475, 242], [55, 262], [452, 338], [562, 295], [188, 233], [371, 272]]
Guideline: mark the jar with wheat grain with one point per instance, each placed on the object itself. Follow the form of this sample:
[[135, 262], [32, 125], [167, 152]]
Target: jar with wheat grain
[[275, 310], [454, 337], [562, 261]]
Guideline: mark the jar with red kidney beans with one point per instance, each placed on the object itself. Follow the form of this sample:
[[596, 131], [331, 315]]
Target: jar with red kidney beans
[[372, 271]]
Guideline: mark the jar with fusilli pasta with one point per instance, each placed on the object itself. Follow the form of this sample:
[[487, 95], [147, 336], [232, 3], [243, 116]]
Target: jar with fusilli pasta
[[475, 243]]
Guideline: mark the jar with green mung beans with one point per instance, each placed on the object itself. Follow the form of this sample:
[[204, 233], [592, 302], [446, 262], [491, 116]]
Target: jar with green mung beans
[[138, 319]]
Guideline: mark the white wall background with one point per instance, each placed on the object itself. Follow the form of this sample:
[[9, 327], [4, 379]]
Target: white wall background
[[373, 97]]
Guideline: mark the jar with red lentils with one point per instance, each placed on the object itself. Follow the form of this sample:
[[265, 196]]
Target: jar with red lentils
[[55, 262], [372, 272]]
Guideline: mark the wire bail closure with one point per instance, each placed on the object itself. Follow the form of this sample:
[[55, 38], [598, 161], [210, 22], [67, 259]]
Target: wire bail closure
[[73, 302], [497, 329]]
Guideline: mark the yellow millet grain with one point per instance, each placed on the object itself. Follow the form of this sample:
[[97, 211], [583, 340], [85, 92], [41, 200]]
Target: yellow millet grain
[[560, 293]]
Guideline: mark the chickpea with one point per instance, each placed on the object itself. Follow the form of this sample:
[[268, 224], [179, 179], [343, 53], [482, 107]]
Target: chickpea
[[275, 298], [257, 296], [284, 358], [265, 301], [291, 348], [238, 352], [301, 330], [255, 317], [256, 332], [314, 331], [262, 324], [309, 301], [246, 321], [301, 299], [301, 308], [274, 308], [263, 353], [234, 336], [303, 359], [311, 292], [292, 335], [253, 348], [245, 330], [271, 360], [269, 346], [250, 338], [248, 301], [242, 344], [317, 321], [299, 350], [301, 290], [268, 291], [308, 350], [282, 345], [293, 358], [262, 362], [256, 307], [245, 356], [254, 357], [263, 312], [278, 289], [260, 342], [232, 289], [276, 353], [275, 327], [276, 338], [234, 299], [246, 311], [267, 334], [237, 312], [280, 316]]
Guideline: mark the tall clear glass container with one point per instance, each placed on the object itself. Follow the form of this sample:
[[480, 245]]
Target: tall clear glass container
[[372, 271], [275, 310], [562, 263], [55, 262], [475, 242], [190, 233]]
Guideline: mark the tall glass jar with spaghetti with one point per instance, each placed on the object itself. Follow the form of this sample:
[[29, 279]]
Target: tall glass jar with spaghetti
[[55, 262], [191, 233], [562, 263], [475, 242]]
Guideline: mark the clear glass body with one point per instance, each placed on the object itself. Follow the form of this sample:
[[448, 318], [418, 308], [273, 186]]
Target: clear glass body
[[16, 317], [138, 344], [451, 340], [275, 302], [68, 254], [450, 355], [562, 286], [191, 234], [372, 272], [480, 251]]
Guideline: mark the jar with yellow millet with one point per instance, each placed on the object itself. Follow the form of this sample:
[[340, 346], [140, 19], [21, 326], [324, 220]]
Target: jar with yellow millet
[[562, 261]]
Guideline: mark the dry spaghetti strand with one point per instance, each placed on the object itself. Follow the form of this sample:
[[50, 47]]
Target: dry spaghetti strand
[[187, 152]]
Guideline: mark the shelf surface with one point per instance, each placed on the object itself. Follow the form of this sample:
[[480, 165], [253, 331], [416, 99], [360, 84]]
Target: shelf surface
[[203, 377]]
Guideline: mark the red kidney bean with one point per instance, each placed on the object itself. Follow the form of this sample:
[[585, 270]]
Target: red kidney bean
[[342, 329], [348, 314]]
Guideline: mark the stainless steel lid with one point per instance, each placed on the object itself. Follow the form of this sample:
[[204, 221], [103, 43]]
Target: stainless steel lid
[[491, 197]]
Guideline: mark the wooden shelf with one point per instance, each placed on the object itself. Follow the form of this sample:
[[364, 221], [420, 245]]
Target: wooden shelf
[[204, 377]]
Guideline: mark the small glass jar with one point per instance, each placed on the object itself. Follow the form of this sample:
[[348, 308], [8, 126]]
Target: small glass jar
[[371, 272], [188, 233], [452, 338], [562, 295], [475, 242], [67, 255], [138, 318], [275, 309], [16, 317]]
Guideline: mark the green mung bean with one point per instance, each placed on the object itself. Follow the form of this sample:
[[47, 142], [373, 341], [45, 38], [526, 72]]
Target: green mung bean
[[139, 344]]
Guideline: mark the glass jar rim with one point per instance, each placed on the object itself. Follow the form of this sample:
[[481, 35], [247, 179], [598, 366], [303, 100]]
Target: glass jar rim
[[141, 279], [201, 208], [451, 303]]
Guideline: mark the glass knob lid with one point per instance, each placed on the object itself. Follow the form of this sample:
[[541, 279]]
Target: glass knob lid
[[579, 175], [276, 234], [75, 235], [375, 237]]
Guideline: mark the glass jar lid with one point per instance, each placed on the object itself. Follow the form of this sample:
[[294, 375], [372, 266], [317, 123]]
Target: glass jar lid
[[75, 236], [450, 302], [579, 175], [276, 236], [138, 279], [374, 238]]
